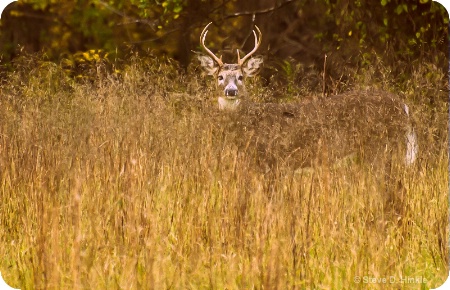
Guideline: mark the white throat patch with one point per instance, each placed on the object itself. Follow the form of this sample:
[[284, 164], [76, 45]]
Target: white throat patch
[[228, 104]]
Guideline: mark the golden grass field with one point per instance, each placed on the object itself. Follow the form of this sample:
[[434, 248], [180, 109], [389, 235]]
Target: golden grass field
[[128, 183]]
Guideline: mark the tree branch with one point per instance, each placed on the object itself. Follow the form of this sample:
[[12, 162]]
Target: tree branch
[[125, 16], [261, 11]]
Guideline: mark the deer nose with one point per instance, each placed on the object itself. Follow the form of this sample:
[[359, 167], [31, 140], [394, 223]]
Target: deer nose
[[231, 92]]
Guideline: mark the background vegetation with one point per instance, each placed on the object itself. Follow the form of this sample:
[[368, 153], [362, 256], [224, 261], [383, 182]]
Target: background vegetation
[[353, 33], [116, 173]]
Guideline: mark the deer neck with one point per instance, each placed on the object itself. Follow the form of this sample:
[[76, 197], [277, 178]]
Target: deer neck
[[228, 104]]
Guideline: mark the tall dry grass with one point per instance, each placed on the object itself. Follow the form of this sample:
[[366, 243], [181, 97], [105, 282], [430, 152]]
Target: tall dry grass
[[131, 183]]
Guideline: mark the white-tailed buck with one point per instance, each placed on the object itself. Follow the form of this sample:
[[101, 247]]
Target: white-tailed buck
[[373, 123]]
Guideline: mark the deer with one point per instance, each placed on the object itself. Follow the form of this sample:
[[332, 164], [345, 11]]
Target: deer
[[371, 123]]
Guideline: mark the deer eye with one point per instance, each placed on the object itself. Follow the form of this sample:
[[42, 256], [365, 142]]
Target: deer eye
[[220, 78], [240, 78]]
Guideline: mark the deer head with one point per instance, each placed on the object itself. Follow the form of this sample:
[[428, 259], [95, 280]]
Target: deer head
[[231, 77]]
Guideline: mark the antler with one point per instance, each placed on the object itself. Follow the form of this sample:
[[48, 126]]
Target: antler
[[202, 42], [257, 44]]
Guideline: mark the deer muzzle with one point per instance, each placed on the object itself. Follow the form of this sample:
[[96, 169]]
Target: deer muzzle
[[231, 93]]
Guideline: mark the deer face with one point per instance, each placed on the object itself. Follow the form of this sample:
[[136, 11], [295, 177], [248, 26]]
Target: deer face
[[230, 77], [231, 80]]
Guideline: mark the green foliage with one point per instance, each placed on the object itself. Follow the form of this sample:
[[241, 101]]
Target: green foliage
[[391, 21], [85, 65], [400, 31], [168, 10]]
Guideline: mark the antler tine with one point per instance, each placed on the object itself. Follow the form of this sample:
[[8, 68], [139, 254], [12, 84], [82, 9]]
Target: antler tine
[[202, 42], [257, 44]]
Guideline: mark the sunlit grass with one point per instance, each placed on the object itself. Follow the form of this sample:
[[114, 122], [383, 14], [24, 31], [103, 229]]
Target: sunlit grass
[[130, 184]]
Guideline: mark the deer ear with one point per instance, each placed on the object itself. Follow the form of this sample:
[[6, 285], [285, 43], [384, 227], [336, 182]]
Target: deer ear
[[208, 64], [252, 66]]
